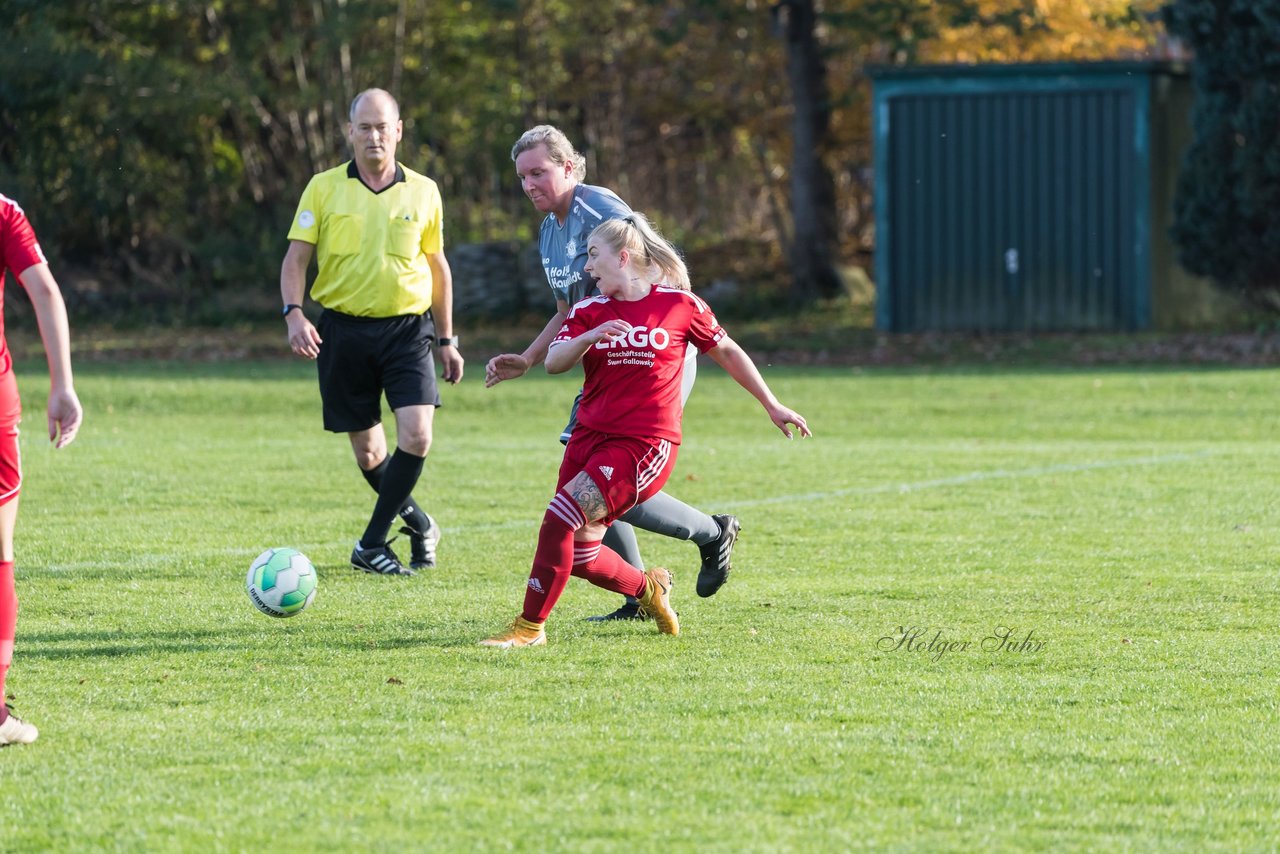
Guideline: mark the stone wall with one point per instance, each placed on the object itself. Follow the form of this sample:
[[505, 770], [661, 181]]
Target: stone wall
[[492, 281]]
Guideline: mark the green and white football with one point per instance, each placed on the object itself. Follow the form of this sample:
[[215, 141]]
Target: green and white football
[[281, 582]]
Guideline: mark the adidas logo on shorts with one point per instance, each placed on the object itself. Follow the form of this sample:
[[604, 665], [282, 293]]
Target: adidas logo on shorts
[[608, 472]]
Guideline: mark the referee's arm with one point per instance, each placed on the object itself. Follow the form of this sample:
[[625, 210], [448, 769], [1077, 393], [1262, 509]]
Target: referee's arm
[[304, 340], [442, 314]]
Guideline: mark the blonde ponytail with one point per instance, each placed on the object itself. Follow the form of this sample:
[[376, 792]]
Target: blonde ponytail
[[652, 252]]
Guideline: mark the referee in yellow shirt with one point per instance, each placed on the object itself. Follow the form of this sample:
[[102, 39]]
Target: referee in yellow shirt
[[377, 229]]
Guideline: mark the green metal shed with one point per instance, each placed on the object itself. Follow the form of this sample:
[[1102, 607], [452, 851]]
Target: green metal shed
[[1026, 197]]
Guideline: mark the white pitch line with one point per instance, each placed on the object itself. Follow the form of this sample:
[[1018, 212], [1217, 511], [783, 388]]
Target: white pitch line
[[155, 559], [973, 477]]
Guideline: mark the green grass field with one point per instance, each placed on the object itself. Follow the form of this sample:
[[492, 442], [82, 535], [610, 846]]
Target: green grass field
[[1126, 522]]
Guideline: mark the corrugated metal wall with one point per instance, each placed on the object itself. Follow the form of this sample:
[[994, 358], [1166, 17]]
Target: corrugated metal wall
[[1013, 210]]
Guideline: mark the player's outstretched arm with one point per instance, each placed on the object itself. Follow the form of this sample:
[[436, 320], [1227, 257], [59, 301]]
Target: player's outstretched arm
[[510, 366], [65, 412], [505, 366], [738, 365]]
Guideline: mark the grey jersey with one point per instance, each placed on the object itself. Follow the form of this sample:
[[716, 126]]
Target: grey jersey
[[564, 247]]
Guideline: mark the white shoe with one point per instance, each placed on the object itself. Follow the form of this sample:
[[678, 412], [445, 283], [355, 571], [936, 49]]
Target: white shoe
[[15, 730]]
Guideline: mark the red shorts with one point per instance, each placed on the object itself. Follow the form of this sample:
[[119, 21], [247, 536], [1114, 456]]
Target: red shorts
[[10, 415], [627, 469]]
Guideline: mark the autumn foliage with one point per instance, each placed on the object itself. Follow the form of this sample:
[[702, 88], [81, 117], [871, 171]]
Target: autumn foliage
[[161, 146]]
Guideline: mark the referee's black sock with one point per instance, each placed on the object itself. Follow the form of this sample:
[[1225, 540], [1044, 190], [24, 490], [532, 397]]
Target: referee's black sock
[[410, 512], [374, 475], [399, 478]]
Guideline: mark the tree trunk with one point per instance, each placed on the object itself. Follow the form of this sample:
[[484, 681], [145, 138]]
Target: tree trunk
[[813, 197]]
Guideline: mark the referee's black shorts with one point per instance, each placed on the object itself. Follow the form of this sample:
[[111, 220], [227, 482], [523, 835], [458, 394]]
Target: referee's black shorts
[[363, 357]]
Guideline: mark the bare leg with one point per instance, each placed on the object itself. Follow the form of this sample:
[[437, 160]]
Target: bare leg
[[8, 521]]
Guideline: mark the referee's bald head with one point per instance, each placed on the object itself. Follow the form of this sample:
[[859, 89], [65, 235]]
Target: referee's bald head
[[373, 93]]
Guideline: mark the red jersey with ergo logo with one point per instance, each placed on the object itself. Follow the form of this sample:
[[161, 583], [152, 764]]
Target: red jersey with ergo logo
[[632, 385]]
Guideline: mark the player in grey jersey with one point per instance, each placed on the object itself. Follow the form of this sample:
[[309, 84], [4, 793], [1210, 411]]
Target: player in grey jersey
[[551, 173]]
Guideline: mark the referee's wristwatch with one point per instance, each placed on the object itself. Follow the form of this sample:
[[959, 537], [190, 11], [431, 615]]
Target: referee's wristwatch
[[451, 341], [284, 312]]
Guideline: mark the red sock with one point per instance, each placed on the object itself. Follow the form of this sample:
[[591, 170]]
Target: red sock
[[553, 560], [8, 620], [607, 569]]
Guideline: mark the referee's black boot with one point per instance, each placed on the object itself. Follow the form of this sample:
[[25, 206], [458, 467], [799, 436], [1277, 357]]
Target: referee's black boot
[[422, 544], [378, 560]]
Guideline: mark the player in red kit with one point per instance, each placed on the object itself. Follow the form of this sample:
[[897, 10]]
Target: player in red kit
[[631, 341], [21, 253]]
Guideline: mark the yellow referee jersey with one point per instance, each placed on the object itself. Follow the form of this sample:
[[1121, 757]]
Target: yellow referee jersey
[[371, 247]]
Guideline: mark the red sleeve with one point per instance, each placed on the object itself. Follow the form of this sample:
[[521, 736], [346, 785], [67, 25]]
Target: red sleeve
[[704, 329], [19, 248], [575, 324]]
